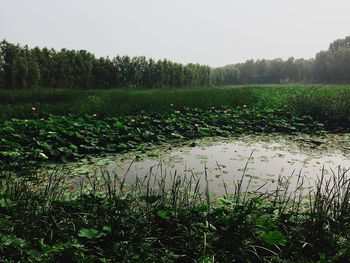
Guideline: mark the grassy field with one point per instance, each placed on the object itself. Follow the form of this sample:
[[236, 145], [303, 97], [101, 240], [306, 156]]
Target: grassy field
[[322, 102]]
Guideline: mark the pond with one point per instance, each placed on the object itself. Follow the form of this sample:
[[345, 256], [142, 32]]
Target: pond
[[262, 161]]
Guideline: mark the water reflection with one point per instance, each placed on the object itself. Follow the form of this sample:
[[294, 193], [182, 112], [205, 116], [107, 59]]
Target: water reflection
[[259, 160]]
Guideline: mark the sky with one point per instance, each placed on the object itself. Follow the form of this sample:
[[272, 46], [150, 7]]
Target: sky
[[211, 32]]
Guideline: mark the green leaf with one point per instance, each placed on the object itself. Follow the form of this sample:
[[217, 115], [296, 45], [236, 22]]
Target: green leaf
[[107, 229], [43, 156], [226, 201], [12, 240], [4, 224], [265, 223], [10, 154], [119, 125], [5, 203], [164, 214], [273, 238], [122, 146], [176, 135], [257, 201], [90, 233]]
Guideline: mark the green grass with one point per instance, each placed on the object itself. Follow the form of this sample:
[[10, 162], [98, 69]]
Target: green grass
[[106, 220], [326, 103], [117, 101]]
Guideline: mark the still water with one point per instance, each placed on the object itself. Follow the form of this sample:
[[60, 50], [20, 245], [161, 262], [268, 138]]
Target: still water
[[260, 160]]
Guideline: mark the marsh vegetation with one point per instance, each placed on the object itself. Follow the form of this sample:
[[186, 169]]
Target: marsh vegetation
[[184, 171]]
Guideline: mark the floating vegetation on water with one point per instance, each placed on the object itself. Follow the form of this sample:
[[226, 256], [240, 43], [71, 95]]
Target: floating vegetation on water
[[67, 137], [225, 158]]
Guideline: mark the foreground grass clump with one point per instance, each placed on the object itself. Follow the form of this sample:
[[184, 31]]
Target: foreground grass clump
[[67, 137], [153, 221]]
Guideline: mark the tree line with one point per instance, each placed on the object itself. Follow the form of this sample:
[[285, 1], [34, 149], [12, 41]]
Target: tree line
[[332, 65], [22, 67]]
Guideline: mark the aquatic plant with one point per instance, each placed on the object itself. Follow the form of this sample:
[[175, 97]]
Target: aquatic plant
[[170, 218], [68, 137]]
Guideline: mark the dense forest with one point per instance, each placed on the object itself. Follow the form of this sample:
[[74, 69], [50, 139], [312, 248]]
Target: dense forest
[[22, 67]]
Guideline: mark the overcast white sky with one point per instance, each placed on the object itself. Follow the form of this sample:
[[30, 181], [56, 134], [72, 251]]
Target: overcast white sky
[[213, 32]]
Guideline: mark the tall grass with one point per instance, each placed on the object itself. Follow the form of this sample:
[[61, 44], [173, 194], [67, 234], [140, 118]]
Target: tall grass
[[155, 219], [325, 103], [118, 101]]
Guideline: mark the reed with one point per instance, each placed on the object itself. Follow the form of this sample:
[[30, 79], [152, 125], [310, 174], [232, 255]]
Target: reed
[[171, 217]]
